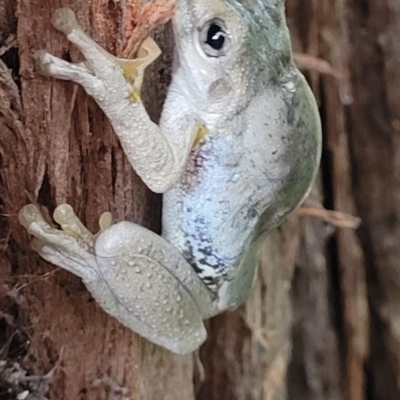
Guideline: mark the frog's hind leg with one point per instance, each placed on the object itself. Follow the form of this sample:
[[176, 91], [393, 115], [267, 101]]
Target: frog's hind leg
[[151, 279], [134, 274]]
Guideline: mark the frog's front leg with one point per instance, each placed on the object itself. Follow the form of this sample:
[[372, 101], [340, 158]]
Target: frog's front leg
[[115, 84], [134, 274]]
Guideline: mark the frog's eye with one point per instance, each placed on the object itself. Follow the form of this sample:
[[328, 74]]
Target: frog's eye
[[214, 38]]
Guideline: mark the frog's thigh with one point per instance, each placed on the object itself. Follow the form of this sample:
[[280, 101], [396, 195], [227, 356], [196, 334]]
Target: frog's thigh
[[154, 286]]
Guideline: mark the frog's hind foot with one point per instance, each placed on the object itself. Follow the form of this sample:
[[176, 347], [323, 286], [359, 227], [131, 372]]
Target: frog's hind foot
[[70, 247]]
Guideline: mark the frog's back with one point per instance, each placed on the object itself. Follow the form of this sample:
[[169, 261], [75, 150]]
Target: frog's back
[[301, 158]]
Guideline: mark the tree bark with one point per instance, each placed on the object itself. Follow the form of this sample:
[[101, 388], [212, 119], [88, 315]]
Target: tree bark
[[57, 146], [323, 321]]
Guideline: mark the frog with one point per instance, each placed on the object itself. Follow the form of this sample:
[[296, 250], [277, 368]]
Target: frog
[[236, 151]]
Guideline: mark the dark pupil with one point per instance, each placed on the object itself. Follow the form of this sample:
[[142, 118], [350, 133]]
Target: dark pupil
[[215, 37]]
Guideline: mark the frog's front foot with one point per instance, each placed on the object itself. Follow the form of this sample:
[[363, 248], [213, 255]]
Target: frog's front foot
[[102, 75], [135, 275]]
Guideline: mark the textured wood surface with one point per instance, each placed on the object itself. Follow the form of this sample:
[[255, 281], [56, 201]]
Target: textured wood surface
[[56, 147]]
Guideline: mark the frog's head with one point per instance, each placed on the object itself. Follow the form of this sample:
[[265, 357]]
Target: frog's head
[[230, 48]]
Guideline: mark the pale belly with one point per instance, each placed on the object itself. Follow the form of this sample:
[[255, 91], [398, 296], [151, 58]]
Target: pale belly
[[209, 218], [229, 182]]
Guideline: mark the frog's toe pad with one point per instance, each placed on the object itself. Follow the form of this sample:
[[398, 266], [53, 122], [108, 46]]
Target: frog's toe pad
[[64, 20]]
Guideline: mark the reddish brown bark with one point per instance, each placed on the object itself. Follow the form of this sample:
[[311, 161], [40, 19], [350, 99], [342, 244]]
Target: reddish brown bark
[[57, 146]]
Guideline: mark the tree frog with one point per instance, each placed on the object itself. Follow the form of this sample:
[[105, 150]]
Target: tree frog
[[236, 151]]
